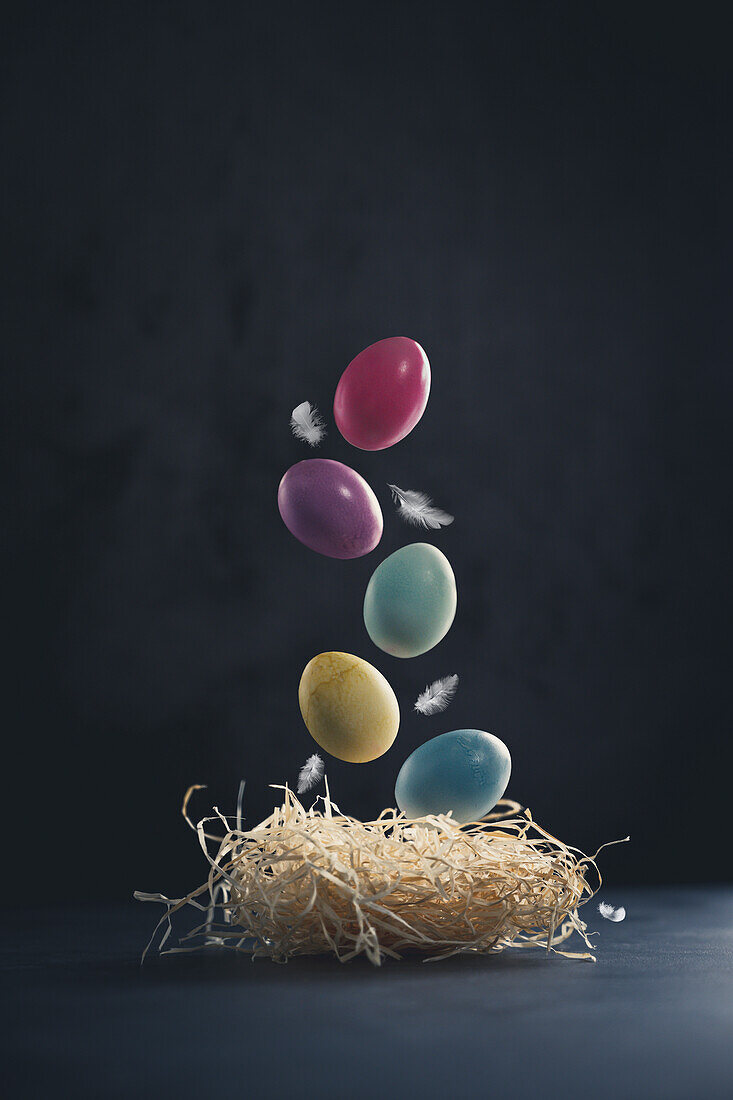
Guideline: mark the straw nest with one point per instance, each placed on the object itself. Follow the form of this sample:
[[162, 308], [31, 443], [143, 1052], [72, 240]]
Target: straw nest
[[311, 882]]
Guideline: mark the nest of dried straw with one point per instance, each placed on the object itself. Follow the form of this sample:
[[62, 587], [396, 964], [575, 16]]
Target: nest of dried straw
[[311, 882]]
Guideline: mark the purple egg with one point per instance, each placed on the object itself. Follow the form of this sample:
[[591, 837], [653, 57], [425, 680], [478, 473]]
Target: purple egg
[[330, 508]]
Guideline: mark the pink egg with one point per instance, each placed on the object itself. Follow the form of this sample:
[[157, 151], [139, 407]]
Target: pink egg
[[382, 393]]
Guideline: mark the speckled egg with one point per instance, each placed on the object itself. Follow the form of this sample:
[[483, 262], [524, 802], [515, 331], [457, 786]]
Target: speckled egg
[[382, 393], [466, 771], [410, 601], [330, 508], [348, 706]]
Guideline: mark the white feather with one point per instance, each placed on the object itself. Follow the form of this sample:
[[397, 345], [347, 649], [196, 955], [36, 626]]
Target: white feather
[[311, 773], [307, 423], [610, 913], [437, 696], [418, 509]]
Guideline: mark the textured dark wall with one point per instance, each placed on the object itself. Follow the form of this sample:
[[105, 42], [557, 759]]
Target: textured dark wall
[[207, 211]]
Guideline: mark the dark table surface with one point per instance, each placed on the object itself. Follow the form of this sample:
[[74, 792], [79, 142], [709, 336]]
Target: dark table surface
[[652, 1018]]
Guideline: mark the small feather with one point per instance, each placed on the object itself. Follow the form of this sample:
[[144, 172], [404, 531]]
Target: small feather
[[307, 424], [437, 696], [418, 509], [311, 773], [610, 913]]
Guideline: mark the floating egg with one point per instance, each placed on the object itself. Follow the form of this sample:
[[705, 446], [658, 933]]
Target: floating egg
[[410, 601], [465, 771], [330, 508], [348, 707], [382, 393]]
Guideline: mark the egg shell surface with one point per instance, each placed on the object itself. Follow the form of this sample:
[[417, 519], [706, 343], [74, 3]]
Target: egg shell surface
[[382, 393], [466, 771], [410, 601], [330, 508], [348, 706]]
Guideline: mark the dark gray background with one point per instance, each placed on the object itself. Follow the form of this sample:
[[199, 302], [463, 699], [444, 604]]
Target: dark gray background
[[208, 210]]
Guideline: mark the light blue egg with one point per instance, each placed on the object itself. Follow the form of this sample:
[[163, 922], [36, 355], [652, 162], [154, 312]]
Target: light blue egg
[[410, 601], [465, 771]]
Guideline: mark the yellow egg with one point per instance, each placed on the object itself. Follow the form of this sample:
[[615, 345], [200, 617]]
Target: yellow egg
[[348, 706]]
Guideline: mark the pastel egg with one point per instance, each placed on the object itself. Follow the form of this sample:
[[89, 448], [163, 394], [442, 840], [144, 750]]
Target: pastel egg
[[465, 771], [410, 601], [348, 706], [382, 393], [330, 508]]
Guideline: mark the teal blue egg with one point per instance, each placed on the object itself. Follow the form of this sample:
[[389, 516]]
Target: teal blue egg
[[465, 771], [410, 601]]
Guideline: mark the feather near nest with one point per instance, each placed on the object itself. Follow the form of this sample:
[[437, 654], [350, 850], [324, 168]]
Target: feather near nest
[[311, 773], [611, 913], [436, 696]]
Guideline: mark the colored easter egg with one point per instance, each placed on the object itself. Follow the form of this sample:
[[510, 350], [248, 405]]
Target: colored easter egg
[[410, 601], [382, 393], [330, 508], [348, 706], [465, 771]]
